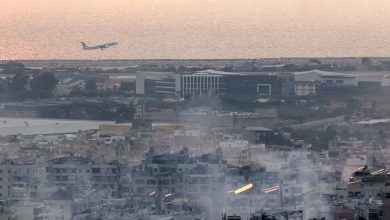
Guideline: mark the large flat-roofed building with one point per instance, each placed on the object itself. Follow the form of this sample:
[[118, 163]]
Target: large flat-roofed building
[[254, 84], [210, 83], [306, 83], [170, 85], [145, 81], [185, 85], [207, 82], [373, 79], [202, 83]]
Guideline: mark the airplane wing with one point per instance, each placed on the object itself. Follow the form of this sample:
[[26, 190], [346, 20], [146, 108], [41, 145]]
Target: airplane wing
[[106, 45]]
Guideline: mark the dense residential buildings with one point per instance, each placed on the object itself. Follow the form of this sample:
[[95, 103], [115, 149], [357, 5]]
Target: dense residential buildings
[[199, 142], [78, 172]]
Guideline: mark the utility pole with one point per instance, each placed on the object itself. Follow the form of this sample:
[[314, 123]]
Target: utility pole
[[281, 193]]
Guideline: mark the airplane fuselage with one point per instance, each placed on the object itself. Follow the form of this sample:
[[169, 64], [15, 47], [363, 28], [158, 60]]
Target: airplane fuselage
[[100, 46]]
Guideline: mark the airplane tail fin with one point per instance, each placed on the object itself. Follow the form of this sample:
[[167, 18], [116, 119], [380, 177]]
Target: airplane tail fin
[[84, 45]]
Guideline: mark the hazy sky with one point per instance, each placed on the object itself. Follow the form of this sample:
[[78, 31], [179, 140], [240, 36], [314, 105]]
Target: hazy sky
[[47, 29]]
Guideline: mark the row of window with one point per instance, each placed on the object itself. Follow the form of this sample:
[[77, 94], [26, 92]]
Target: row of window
[[178, 180], [20, 171], [151, 182], [191, 189], [74, 170], [104, 178]]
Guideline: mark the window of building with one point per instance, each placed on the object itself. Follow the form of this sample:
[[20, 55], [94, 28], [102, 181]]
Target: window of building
[[139, 181], [204, 180], [264, 89], [95, 170], [96, 178], [328, 81], [151, 182], [205, 189], [193, 189], [164, 182]]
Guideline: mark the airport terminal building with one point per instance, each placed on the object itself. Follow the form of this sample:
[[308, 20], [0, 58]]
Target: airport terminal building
[[210, 83]]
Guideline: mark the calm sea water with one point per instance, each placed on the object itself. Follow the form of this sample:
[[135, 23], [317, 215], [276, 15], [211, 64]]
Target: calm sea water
[[53, 29]]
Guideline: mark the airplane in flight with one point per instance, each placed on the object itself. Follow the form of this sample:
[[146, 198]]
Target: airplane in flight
[[100, 46]]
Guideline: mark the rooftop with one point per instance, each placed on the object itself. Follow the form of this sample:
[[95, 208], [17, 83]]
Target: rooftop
[[216, 72], [326, 74], [257, 129], [373, 121]]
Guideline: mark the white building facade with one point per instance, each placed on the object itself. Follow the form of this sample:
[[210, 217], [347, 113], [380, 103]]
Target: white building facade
[[183, 85]]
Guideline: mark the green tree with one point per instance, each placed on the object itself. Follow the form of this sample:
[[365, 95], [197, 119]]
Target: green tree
[[127, 86], [14, 68], [45, 82], [315, 61], [181, 69], [18, 83], [171, 68], [90, 86], [93, 111], [3, 89], [228, 68], [17, 87], [3, 86], [366, 61]]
